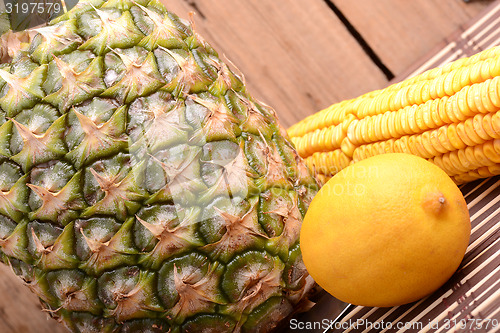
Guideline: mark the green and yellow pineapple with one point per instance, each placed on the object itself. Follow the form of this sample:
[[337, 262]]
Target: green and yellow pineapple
[[142, 189]]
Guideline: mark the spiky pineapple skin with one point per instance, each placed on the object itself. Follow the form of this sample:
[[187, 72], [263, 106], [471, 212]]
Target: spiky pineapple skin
[[142, 189]]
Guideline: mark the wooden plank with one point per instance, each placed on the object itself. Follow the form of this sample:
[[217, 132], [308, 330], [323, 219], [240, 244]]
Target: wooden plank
[[402, 32], [481, 34], [296, 55], [20, 309]]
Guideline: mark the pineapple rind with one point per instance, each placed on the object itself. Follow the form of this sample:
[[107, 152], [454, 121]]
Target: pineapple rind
[[141, 187]]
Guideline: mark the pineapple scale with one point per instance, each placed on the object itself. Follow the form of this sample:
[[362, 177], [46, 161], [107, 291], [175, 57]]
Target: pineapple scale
[[142, 188]]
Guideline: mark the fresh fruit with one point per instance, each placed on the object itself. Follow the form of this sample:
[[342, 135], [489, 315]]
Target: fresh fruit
[[448, 115], [142, 188], [385, 231]]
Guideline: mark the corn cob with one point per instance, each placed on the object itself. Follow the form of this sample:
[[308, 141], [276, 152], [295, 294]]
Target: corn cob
[[449, 115]]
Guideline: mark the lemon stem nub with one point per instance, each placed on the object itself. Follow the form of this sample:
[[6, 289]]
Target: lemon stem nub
[[434, 202]]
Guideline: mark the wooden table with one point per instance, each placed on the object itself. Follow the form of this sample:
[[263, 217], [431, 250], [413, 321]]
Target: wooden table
[[299, 57]]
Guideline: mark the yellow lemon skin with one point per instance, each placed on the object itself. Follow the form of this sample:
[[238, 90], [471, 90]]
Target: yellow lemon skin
[[385, 231]]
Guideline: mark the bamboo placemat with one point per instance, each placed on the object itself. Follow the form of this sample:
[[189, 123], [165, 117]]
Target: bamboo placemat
[[470, 300]]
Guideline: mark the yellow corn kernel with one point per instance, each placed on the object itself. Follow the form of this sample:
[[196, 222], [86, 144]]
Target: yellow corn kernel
[[436, 143], [477, 123], [438, 160], [428, 145], [387, 146], [309, 162], [463, 107], [488, 104], [401, 145], [369, 132], [343, 159], [490, 152], [454, 138], [353, 132], [359, 154], [443, 116], [321, 139], [412, 118], [433, 87], [384, 125], [495, 122], [456, 163], [347, 147], [462, 157], [377, 127], [471, 157], [442, 135], [484, 172], [422, 117], [485, 69], [494, 92], [481, 157], [453, 111], [478, 100], [440, 86], [412, 145], [347, 121], [461, 132], [320, 163], [495, 68], [386, 101], [471, 133], [444, 162], [425, 93], [401, 120], [488, 126], [415, 141], [475, 73], [435, 114], [379, 104], [494, 170], [465, 77], [414, 94], [458, 80], [335, 136], [392, 126], [332, 117], [448, 83], [465, 178], [402, 98], [471, 100]]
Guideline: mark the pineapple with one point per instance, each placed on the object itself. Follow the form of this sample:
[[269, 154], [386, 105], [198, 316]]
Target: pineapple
[[142, 189]]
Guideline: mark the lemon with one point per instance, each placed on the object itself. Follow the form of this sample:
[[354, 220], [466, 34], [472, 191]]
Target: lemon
[[385, 231]]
